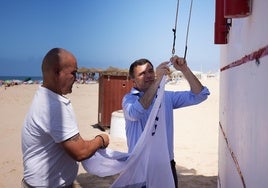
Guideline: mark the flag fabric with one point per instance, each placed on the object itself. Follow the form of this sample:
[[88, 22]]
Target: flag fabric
[[148, 165], [106, 162]]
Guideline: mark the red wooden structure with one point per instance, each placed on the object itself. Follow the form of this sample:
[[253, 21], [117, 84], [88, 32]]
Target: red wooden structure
[[112, 88]]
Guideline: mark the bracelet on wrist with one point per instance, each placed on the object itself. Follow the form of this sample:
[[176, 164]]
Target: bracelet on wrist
[[103, 142]]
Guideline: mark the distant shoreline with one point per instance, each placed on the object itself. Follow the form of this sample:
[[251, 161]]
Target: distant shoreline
[[22, 78]]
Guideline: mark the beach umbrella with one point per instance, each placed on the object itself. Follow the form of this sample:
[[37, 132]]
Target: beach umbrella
[[7, 81], [27, 79], [83, 70], [95, 70]]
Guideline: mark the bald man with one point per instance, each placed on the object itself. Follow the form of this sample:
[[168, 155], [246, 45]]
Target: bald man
[[51, 143]]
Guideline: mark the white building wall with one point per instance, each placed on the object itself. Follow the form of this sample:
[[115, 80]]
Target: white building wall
[[244, 104]]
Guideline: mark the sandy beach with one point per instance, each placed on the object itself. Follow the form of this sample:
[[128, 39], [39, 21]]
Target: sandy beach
[[196, 134]]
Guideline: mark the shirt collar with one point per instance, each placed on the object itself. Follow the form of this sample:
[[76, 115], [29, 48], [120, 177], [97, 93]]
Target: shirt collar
[[54, 95], [135, 91]]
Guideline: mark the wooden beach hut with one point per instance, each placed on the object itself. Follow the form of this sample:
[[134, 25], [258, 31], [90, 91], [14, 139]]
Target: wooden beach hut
[[113, 85]]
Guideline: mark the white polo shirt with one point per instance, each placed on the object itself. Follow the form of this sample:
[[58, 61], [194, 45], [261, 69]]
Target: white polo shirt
[[50, 120]]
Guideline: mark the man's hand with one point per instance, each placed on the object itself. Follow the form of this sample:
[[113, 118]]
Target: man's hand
[[181, 65], [162, 70], [178, 63]]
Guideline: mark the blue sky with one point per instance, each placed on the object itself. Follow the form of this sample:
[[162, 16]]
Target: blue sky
[[103, 33]]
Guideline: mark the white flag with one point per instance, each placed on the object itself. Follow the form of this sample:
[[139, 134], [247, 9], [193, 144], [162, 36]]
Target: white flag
[[149, 164], [106, 162]]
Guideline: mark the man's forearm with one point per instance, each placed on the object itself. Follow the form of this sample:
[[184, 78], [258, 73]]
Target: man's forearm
[[195, 84], [149, 95]]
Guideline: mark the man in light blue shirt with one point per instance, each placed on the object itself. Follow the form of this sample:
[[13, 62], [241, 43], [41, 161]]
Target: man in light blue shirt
[[138, 104]]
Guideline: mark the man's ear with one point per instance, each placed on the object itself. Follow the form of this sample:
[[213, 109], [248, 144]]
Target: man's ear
[[134, 83]]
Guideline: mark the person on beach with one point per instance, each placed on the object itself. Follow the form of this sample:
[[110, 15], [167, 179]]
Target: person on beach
[[51, 143], [138, 104]]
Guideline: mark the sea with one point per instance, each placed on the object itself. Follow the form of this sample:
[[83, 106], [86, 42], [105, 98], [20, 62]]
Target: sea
[[21, 78]]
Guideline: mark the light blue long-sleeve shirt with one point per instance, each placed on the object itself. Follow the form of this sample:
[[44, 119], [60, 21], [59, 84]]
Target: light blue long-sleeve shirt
[[136, 116]]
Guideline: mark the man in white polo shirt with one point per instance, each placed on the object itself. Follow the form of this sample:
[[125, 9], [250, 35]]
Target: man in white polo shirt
[[51, 143]]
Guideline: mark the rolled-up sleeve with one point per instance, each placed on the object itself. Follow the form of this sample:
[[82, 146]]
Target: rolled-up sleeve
[[187, 98]]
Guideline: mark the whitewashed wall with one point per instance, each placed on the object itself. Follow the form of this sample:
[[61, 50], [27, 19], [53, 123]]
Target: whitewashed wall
[[244, 104]]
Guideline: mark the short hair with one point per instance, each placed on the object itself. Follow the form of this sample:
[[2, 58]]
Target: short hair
[[136, 63], [52, 58]]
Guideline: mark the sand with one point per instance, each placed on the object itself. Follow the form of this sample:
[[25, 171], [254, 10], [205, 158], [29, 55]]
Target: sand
[[196, 134]]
